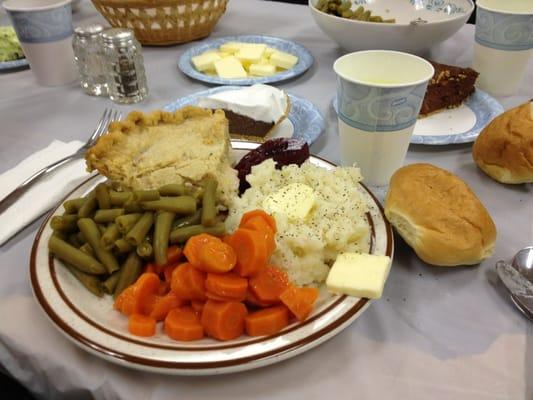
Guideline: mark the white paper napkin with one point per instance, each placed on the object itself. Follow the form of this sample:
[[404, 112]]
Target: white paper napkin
[[44, 194]]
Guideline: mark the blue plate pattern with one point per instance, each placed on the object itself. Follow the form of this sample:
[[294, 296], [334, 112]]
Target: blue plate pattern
[[307, 121], [305, 60], [14, 64], [484, 107]]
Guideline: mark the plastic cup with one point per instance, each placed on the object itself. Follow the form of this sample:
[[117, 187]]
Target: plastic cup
[[44, 29], [503, 44], [379, 95]]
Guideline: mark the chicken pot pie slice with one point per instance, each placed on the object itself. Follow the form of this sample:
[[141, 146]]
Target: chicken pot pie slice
[[147, 151]]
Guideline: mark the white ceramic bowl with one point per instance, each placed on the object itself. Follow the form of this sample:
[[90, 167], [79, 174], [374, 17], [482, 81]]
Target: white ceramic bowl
[[419, 24]]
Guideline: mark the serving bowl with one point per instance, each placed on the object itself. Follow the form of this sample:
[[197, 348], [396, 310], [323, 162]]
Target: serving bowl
[[419, 24]]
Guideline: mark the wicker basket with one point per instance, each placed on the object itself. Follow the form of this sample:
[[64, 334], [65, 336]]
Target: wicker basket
[[163, 22]]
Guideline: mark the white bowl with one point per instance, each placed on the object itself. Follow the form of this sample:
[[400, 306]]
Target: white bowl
[[419, 24]]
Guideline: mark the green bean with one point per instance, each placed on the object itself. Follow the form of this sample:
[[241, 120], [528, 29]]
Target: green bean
[[72, 206], [132, 207], [389, 21], [123, 246], [181, 235], [137, 233], [92, 234], [74, 240], [163, 224], [358, 12], [145, 249], [81, 237], [375, 18], [109, 237], [365, 16], [209, 213], [144, 195], [110, 283], [193, 219], [126, 222], [77, 258], [88, 205], [60, 235], [87, 249], [178, 205], [91, 282], [102, 228], [173, 189], [130, 271], [118, 198], [64, 223], [102, 196], [104, 216]]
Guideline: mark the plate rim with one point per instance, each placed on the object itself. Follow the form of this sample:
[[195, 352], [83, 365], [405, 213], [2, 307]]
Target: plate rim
[[211, 367], [21, 63], [184, 63], [317, 130]]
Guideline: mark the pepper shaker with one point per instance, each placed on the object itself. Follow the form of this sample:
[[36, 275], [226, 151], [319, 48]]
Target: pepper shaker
[[124, 66], [88, 53]]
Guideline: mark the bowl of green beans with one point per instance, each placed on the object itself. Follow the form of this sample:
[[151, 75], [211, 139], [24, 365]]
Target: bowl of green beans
[[412, 26]]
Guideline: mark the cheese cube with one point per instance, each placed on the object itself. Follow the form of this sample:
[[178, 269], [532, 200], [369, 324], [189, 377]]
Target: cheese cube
[[205, 61], [360, 275], [283, 60], [230, 67], [294, 200], [251, 53], [262, 69]]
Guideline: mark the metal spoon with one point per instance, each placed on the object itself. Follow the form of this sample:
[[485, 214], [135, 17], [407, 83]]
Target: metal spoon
[[523, 262]]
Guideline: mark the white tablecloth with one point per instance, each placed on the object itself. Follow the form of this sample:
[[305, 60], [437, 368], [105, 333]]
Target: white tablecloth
[[437, 333]]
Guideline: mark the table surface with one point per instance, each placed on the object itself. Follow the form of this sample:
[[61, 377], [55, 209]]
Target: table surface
[[436, 333]]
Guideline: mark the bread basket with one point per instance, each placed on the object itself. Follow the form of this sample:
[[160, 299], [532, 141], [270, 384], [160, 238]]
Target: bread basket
[[163, 22]]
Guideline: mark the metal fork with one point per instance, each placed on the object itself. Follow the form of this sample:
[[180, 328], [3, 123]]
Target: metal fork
[[108, 116]]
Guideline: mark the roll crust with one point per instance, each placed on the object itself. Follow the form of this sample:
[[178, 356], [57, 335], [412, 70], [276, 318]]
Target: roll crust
[[504, 148], [439, 216]]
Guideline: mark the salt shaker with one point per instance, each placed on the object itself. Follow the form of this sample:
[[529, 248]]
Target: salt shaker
[[88, 53], [124, 66]]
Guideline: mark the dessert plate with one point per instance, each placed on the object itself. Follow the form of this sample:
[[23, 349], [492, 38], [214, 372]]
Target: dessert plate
[[14, 65], [93, 324], [305, 60], [304, 120], [456, 125]]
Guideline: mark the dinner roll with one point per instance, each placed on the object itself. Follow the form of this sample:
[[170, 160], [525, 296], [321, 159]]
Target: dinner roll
[[504, 149], [439, 216]]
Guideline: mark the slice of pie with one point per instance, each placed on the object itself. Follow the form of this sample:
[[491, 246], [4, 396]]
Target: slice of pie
[[253, 112], [147, 151], [448, 88]]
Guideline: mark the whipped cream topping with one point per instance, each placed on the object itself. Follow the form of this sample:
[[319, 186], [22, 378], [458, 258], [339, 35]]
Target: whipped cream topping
[[260, 102]]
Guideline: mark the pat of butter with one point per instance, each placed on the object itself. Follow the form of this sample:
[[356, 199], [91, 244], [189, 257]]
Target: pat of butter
[[205, 61], [230, 67], [251, 53], [295, 200], [283, 60], [269, 51], [231, 47], [262, 69], [360, 275]]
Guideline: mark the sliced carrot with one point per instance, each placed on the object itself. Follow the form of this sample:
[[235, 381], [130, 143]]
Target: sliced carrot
[[269, 219], [141, 325], [163, 304], [259, 224], [251, 250], [216, 297], [164, 288], [223, 320], [193, 245], [188, 283], [139, 298], [253, 300], [198, 306], [178, 283], [122, 297], [300, 301], [150, 267], [167, 271], [228, 285], [218, 257], [174, 254], [182, 323], [266, 321], [269, 283]]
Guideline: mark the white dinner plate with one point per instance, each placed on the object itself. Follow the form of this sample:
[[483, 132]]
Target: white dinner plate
[[94, 325], [305, 60], [304, 120], [462, 124]]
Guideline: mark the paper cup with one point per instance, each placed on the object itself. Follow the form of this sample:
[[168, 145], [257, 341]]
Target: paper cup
[[379, 95], [44, 29], [503, 44]]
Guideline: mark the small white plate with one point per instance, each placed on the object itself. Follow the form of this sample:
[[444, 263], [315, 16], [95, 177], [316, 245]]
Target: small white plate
[[94, 325]]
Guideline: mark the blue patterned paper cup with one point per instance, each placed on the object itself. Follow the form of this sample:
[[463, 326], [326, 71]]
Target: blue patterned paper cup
[[44, 29], [503, 44], [379, 95]]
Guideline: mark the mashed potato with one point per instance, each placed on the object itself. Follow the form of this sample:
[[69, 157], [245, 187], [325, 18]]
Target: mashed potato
[[336, 223]]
